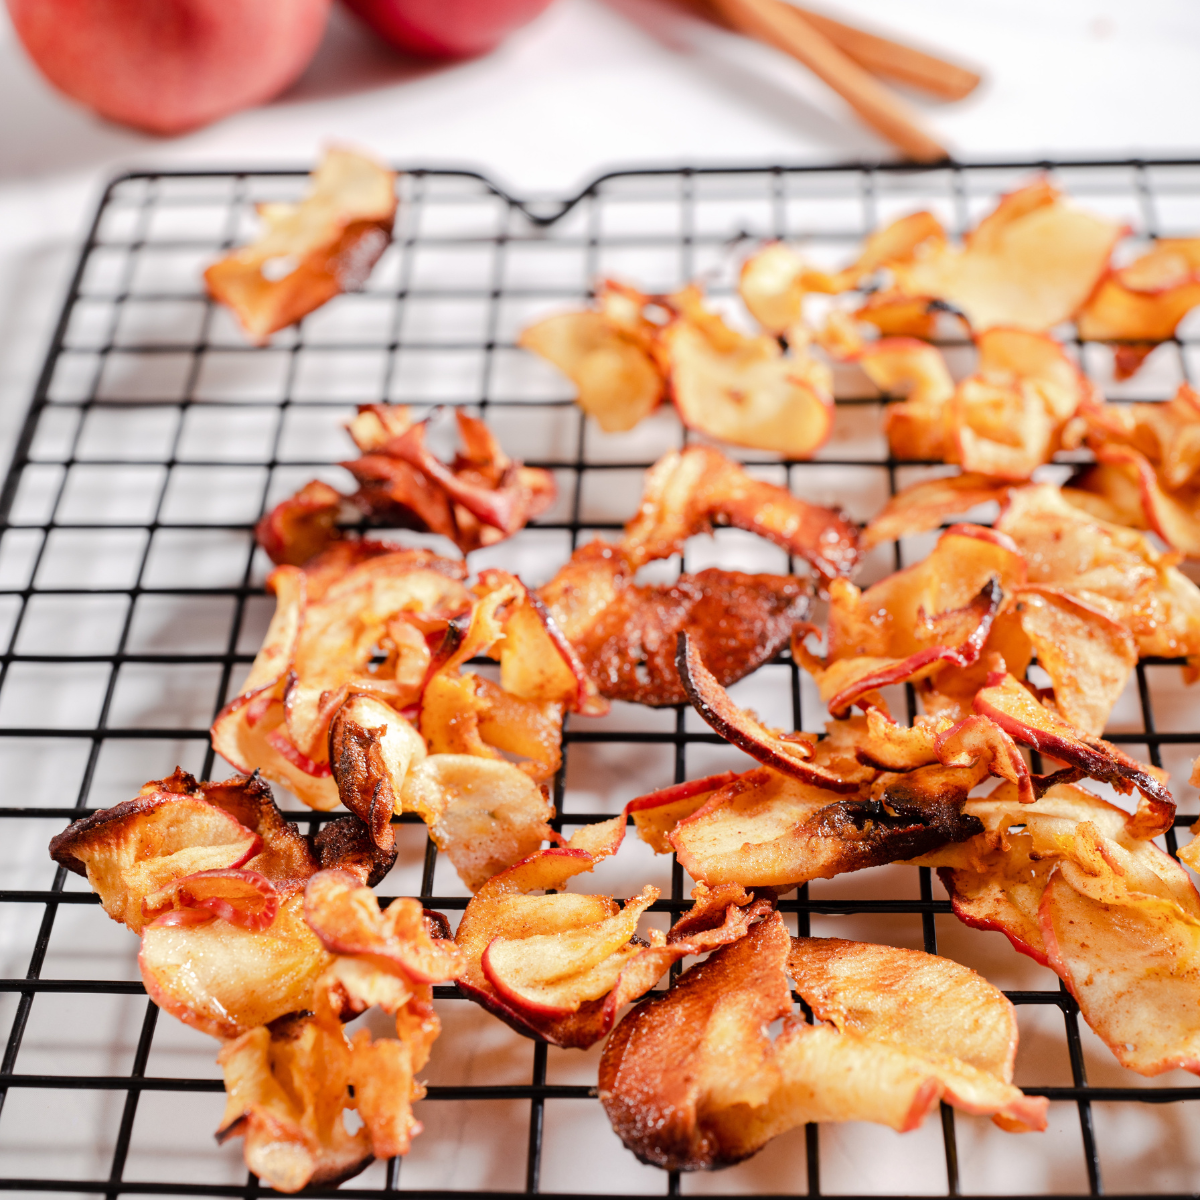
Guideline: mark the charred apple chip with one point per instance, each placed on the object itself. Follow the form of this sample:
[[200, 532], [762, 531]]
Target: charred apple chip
[[559, 967], [1087, 654], [1142, 304], [690, 491], [309, 252], [766, 829], [482, 497], [136, 848], [484, 814], [916, 427], [607, 352], [691, 1080], [300, 527], [745, 390], [625, 634], [926, 505], [1011, 706], [1107, 566], [788, 754], [224, 979], [1030, 264]]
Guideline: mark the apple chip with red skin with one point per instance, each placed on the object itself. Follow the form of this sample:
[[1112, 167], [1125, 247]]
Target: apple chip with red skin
[[559, 967], [744, 390], [328, 242], [917, 426], [656, 813], [691, 1080], [132, 851], [625, 633], [688, 492], [1108, 567], [1030, 264], [1142, 304], [928, 504], [301, 526], [608, 353]]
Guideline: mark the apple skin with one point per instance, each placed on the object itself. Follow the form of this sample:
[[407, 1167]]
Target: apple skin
[[444, 28], [168, 66]]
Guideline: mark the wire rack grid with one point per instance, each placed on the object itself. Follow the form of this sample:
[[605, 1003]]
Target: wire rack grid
[[131, 603]]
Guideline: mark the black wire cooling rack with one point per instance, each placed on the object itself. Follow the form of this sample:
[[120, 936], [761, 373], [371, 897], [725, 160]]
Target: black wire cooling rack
[[131, 602]]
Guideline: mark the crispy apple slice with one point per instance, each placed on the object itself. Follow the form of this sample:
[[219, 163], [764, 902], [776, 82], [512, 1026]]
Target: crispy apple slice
[[223, 979], [687, 492], [1015, 710], [325, 245], [301, 526], [916, 427], [346, 917], [766, 829], [1087, 654], [976, 739], [243, 898], [657, 813], [691, 1080], [552, 975], [371, 748], [744, 390], [1172, 515], [483, 814], [772, 286], [926, 505], [131, 851]]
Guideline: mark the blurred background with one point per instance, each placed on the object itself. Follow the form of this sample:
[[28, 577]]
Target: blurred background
[[582, 86]]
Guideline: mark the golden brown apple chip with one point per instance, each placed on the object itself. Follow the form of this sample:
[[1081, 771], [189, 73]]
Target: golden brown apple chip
[[689, 492], [926, 505], [691, 1080], [608, 353], [1142, 304], [625, 634], [1108, 567], [309, 252], [657, 813], [916, 427], [745, 390]]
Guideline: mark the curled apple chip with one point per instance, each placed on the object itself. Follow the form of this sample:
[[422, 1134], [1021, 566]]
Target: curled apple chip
[[1142, 304], [1111, 568], [300, 527], [484, 814], [1031, 263], [1011, 706], [1166, 434], [132, 851], [243, 898], [688, 492], [608, 353], [656, 813], [625, 634], [223, 978], [745, 390], [309, 252], [1087, 654], [691, 1080], [916, 427], [926, 505], [767, 829]]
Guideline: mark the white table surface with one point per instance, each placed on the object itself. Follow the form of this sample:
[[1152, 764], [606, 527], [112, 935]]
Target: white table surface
[[591, 85]]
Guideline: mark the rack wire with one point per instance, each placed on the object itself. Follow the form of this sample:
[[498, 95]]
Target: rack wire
[[131, 603]]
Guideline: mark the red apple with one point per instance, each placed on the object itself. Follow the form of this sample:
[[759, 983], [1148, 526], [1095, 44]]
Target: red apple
[[445, 28], [170, 65]]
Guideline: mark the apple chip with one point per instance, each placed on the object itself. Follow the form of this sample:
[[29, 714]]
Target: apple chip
[[745, 390], [1087, 654], [657, 813], [916, 427], [1142, 304], [484, 814], [625, 634], [132, 851], [926, 505], [1113, 569], [608, 353], [1011, 706], [691, 1080], [223, 978], [309, 252], [300, 527], [688, 492], [1030, 264]]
